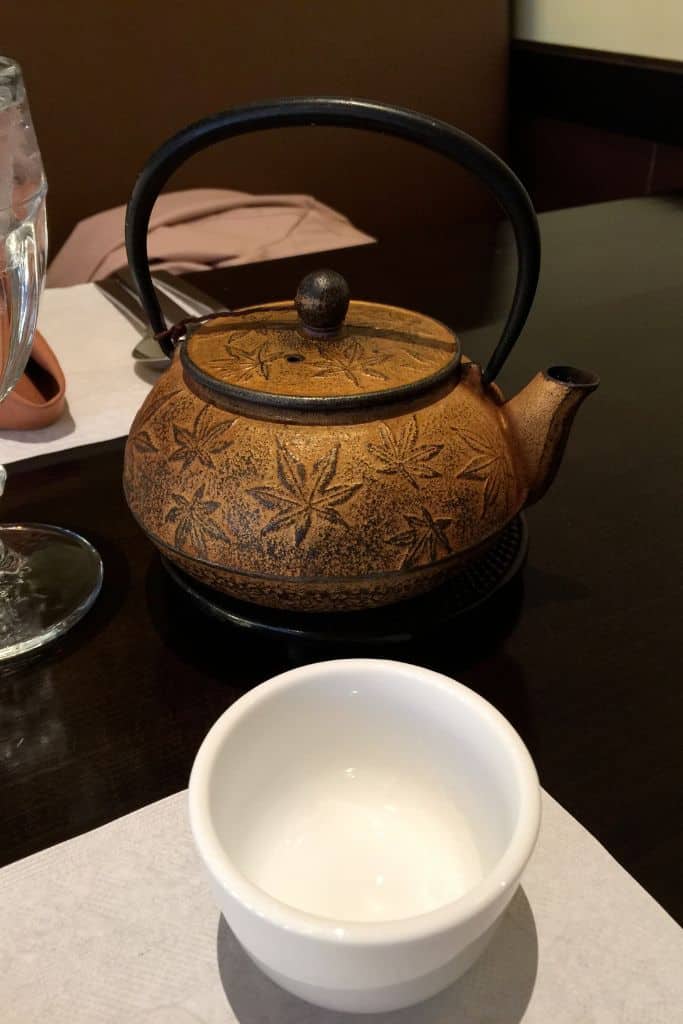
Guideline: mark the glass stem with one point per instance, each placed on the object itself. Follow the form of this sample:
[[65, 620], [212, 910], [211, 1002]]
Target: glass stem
[[3, 480]]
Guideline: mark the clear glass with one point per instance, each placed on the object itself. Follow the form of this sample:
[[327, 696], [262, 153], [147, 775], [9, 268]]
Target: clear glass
[[48, 577], [23, 230]]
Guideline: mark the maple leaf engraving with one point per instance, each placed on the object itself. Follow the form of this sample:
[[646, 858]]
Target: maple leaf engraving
[[418, 357], [352, 360], [244, 364], [303, 495], [142, 442], [202, 442], [489, 464], [194, 521], [425, 539], [403, 456], [154, 405]]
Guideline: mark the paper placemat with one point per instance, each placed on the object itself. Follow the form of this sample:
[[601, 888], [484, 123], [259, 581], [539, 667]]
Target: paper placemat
[[93, 342], [119, 925]]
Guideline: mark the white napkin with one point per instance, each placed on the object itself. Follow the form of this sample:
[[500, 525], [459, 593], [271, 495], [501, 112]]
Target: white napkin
[[93, 342], [118, 925]]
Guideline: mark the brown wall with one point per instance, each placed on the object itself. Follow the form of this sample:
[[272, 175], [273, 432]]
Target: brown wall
[[108, 81]]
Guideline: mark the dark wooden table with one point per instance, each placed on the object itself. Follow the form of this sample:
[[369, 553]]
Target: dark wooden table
[[582, 654]]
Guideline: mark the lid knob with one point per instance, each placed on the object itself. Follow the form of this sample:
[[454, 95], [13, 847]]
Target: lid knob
[[322, 300]]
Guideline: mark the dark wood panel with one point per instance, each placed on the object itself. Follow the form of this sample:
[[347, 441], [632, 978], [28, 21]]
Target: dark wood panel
[[667, 172], [588, 126], [567, 164], [613, 92]]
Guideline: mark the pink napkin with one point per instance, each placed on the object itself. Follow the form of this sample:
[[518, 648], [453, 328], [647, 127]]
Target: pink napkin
[[200, 229]]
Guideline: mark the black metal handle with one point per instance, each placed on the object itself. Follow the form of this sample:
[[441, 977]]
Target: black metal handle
[[348, 113]]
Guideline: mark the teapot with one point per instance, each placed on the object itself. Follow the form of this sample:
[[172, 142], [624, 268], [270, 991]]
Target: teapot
[[323, 453]]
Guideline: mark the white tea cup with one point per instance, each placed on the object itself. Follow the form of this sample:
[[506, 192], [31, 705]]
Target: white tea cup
[[364, 824]]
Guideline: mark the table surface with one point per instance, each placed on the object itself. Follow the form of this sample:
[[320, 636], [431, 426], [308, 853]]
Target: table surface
[[581, 653]]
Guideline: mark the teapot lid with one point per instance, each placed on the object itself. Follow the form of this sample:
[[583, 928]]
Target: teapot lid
[[319, 352]]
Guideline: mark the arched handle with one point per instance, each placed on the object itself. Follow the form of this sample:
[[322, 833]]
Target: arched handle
[[349, 113]]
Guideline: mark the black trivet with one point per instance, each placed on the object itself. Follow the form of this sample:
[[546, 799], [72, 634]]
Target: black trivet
[[405, 620]]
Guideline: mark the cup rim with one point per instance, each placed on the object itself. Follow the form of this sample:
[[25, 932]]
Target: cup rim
[[503, 876]]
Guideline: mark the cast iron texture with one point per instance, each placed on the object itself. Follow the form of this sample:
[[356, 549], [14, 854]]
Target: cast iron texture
[[325, 516], [266, 358], [322, 300]]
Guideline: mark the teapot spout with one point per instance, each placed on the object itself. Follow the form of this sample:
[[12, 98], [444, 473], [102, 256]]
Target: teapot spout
[[539, 419]]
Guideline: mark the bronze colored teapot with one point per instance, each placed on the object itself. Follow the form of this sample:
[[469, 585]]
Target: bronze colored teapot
[[325, 454]]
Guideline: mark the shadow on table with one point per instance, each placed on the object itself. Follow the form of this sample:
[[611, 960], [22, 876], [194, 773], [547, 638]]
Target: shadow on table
[[470, 648], [64, 426], [150, 374], [197, 639], [543, 587], [496, 989], [454, 643]]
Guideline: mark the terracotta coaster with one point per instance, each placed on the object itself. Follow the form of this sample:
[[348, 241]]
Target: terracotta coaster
[[39, 397]]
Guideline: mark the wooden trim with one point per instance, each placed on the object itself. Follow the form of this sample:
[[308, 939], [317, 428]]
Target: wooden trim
[[614, 92]]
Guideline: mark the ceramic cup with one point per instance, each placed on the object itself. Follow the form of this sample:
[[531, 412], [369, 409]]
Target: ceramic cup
[[364, 824]]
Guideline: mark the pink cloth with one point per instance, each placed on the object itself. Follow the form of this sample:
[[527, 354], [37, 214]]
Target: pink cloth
[[200, 229]]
